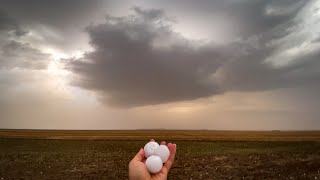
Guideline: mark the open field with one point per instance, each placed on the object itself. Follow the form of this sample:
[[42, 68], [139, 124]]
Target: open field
[[200, 154], [185, 135]]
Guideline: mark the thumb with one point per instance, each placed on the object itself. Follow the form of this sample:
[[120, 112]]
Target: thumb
[[139, 156]]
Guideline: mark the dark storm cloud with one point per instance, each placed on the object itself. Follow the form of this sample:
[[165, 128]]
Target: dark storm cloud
[[248, 73], [256, 17], [306, 70], [58, 13], [16, 54], [139, 60], [8, 24], [251, 72], [135, 64], [55, 24], [255, 75]]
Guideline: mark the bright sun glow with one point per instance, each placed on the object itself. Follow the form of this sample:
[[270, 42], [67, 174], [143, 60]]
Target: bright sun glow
[[60, 76], [56, 68], [56, 55]]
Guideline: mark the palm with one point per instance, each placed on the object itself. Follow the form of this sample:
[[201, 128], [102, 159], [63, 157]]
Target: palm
[[160, 175], [143, 172], [138, 169]]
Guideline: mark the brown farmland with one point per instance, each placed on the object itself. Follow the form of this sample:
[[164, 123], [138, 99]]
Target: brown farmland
[[42, 154]]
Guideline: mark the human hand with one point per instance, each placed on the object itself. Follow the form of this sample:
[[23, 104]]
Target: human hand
[[139, 171]]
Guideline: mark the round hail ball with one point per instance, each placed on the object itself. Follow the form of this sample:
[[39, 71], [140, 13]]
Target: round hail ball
[[154, 164], [149, 148], [163, 152]]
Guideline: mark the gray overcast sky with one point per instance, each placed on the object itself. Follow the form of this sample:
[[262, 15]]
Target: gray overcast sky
[[232, 64]]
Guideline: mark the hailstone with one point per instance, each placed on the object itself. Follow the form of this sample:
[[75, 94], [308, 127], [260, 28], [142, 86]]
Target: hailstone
[[154, 164], [163, 152], [149, 148]]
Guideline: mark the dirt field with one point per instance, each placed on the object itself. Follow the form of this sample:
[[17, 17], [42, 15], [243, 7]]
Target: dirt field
[[184, 135], [200, 154]]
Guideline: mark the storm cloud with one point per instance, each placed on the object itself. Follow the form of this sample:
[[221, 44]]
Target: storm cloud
[[140, 60], [15, 54], [8, 24]]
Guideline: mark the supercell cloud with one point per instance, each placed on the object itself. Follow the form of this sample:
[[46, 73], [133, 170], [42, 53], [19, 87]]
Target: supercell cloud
[[140, 60]]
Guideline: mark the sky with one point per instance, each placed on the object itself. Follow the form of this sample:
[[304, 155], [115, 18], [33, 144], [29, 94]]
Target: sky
[[146, 64]]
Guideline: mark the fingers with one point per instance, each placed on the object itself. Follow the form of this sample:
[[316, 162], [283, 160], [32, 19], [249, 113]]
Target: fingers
[[172, 148], [139, 156], [162, 142]]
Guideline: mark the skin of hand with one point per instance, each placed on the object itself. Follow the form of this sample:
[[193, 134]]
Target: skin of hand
[[139, 171]]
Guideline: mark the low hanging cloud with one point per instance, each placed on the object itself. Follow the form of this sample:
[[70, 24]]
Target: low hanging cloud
[[139, 60]]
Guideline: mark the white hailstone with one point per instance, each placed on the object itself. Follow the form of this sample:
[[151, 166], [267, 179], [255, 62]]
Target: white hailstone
[[149, 148], [163, 152], [154, 164]]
